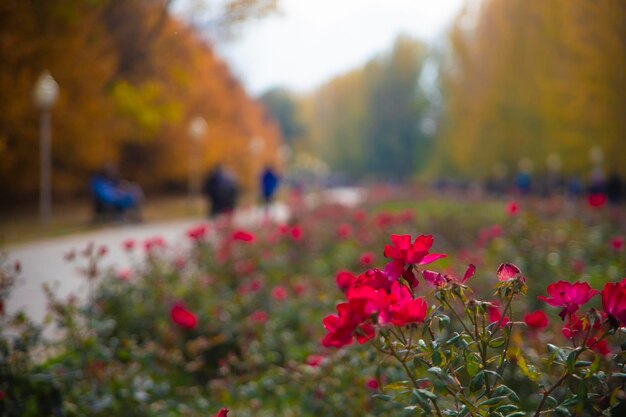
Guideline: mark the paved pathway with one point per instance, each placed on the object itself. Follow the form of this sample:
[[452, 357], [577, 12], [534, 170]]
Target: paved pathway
[[43, 261]]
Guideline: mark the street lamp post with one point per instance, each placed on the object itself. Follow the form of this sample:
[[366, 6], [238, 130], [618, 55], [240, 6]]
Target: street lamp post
[[45, 94], [257, 145], [197, 130]]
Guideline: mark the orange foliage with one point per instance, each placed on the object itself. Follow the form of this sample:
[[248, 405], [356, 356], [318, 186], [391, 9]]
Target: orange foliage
[[131, 78]]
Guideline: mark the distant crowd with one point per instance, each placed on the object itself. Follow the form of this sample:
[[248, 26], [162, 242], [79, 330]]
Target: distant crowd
[[611, 188], [117, 199]]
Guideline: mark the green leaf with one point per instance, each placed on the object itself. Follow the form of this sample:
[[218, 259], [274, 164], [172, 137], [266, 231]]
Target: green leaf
[[551, 401], [570, 401], [471, 364], [396, 386], [444, 320], [421, 400], [504, 390], [428, 394], [493, 401], [383, 397], [437, 359], [517, 414], [497, 342], [435, 370], [494, 373], [477, 381], [562, 411], [560, 354], [571, 359], [453, 339], [595, 365], [580, 364], [507, 408]]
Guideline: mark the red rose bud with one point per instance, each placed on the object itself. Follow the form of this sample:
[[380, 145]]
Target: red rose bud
[[537, 319], [183, 317]]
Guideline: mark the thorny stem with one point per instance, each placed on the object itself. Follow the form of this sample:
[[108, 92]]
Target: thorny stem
[[434, 401], [559, 382], [504, 352], [483, 358], [547, 394], [461, 398], [457, 315], [506, 346], [413, 380], [508, 304]]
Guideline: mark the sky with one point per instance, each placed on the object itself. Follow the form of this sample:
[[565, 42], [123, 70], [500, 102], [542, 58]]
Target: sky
[[310, 41]]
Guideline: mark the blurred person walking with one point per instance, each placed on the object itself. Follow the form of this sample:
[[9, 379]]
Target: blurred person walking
[[269, 185], [614, 189], [221, 190]]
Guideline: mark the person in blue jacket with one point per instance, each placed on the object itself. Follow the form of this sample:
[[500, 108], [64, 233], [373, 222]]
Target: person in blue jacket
[[269, 185], [113, 196]]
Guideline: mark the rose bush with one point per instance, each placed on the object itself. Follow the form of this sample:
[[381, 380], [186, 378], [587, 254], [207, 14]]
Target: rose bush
[[463, 355], [232, 317]]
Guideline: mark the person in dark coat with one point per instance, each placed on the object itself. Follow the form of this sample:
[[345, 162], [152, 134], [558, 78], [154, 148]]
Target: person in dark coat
[[614, 189], [221, 190]]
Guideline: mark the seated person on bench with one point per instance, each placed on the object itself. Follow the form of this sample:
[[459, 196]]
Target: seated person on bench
[[114, 197]]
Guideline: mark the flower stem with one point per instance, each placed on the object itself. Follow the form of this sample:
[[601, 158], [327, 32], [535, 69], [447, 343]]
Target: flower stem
[[457, 315]]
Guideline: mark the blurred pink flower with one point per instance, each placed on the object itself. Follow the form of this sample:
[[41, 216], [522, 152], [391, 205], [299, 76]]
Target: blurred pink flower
[[570, 296], [573, 327], [296, 233], [360, 216], [243, 236], [507, 271], [129, 245], [183, 317], [512, 208], [495, 315], [434, 279], [222, 413], [279, 293], [469, 272], [102, 250], [315, 360], [124, 275], [597, 200], [344, 280], [259, 317], [403, 251], [180, 262], [153, 243], [372, 384], [578, 266], [617, 243], [344, 231], [600, 346], [614, 302], [198, 232], [366, 258], [537, 319], [299, 289]]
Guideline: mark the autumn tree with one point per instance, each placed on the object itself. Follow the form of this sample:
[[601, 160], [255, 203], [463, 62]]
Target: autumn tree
[[531, 79], [282, 105], [131, 78], [366, 123]]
